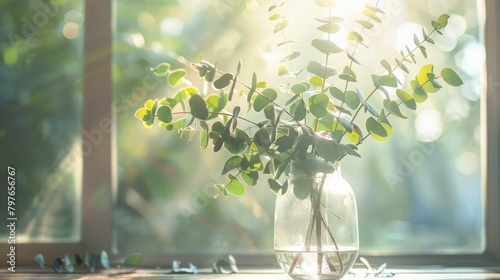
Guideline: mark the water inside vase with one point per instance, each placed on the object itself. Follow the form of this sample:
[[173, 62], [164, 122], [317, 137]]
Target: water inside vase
[[334, 263]]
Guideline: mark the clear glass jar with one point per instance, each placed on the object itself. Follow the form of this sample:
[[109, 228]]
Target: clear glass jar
[[316, 225]]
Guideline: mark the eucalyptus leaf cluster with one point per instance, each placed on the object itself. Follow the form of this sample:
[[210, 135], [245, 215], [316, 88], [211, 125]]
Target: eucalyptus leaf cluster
[[325, 116]]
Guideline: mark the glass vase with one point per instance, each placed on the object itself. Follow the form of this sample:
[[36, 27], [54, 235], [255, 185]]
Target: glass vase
[[316, 225]]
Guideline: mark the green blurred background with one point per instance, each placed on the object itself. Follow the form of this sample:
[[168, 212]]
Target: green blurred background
[[418, 193]]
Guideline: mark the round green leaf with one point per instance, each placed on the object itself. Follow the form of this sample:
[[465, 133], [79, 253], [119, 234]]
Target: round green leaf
[[344, 119], [250, 178], [223, 81], [251, 163], [274, 185], [302, 186], [281, 25], [149, 104], [406, 98], [327, 149], [268, 95], [326, 3], [164, 114], [392, 107], [161, 69], [337, 93], [232, 163], [198, 107], [143, 114], [318, 104], [282, 70], [320, 70], [298, 88], [216, 103], [204, 135], [325, 46], [275, 17], [419, 93], [355, 135], [329, 27], [133, 259], [316, 81], [355, 36], [262, 138], [347, 77], [387, 126], [234, 145], [376, 130], [451, 77], [352, 99], [292, 56], [372, 110], [388, 81], [234, 186], [423, 78], [175, 76], [443, 21], [366, 24]]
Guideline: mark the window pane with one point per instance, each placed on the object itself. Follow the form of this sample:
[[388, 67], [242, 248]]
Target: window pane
[[40, 116], [420, 192]]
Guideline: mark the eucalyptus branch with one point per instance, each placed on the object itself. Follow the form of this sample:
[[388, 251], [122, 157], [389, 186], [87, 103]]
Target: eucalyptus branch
[[218, 113], [351, 63], [232, 180], [327, 55], [380, 120], [219, 72], [288, 48], [394, 68]]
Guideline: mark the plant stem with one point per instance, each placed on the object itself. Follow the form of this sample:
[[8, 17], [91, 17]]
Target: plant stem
[[218, 113], [317, 208], [314, 217], [334, 242], [386, 115], [316, 121], [350, 66], [376, 88], [318, 236], [288, 48]]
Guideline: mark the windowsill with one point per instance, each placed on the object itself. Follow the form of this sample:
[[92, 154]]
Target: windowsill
[[271, 274]]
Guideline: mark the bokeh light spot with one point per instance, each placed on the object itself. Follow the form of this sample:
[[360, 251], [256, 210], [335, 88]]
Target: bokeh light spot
[[428, 125], [172, 27], [467, 163], [146, 21], [471, 58], [457, 109], [70, 30], [404, 34], [138, 40], [10, 56]]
